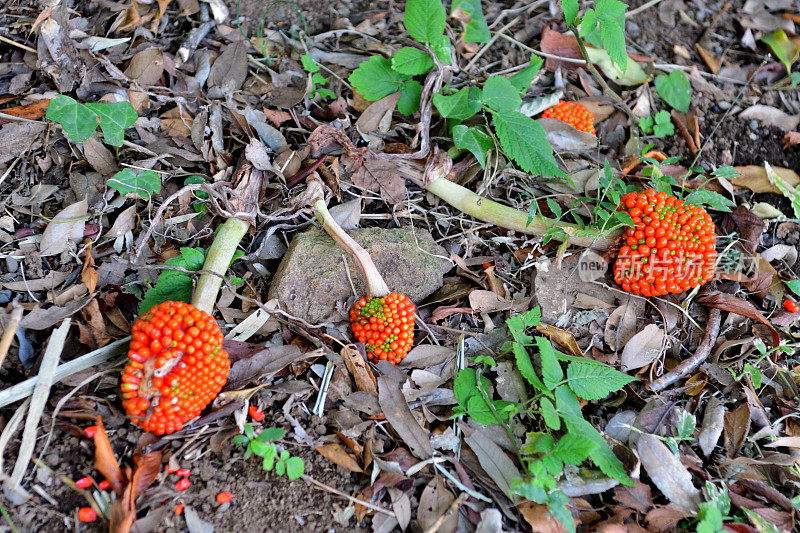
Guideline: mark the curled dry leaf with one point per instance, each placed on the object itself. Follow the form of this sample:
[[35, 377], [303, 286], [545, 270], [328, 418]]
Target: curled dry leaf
[[104, 460], [728, 302], [771, 116], [737, 427], [620, 326], [565, 138], [433, 503], [643, 348], [334, 453], [667, 472], [402, 420], [711, 428], [66, 226], [754, 177]]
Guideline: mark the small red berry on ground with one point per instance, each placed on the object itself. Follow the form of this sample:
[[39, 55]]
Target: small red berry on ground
[[178, 508], [84, 483], [574, 114], [791, 306], [256, 413], [104, 485], [385, 326], [176, 367], [670, 249], [183, 484], [87, 514], [183, 472], [90, 431], [224, 497]]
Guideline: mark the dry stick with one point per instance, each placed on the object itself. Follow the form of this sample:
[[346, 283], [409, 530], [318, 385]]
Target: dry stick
[[365, 503], [10, 430], [641, 8], [448, 513], [9, 332], [39, 398], [700, 355]]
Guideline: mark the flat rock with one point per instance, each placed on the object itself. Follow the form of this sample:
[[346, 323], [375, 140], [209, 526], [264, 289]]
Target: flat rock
[[312, 283]]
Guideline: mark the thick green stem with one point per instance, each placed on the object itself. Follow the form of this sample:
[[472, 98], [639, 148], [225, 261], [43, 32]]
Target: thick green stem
[[219, 257], [376, 286], [507, 217]]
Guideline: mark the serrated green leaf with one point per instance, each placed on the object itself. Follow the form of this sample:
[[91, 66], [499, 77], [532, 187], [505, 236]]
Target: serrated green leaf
[[532, 317], [787, 190], [127, 181], [375, 79], [410, 95], [309, 64], [570, 8], [611, 17], [479, 410], [460, 105], [784, 49], [114, 119], [551, 368], [294, 467], [78, 121], [573, 448], [190, 259], [474, 139], [524, 140], [727, 172], [553, 464], [174, 284], [549, 414], [442, 49], [525, 367], [522, 79], [476, 30], [557, 505], [675, 89], [529, 490], [271, 434], [412, 61], [425, 19], [500, 95], [593, 381], [713, 199], [588, 23]]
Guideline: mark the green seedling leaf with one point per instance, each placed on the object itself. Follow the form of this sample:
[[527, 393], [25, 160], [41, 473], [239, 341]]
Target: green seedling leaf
[[663, 126], [529, 490], [114, 120], [271, 434], [794, 286], [78, 121], [632, 74], [412, 61], [176, 285], [524, 140], [549, 414], [127, 181], [294, 467], [551, 368], [525, 367], [425, 19], [573, 449], [375, 79], [646, 124], [474, 139], [476, 30], [675, 89], [570, 8], [594, 381], [460, 105], [588, 26], [479, 410], [309, 64], [611, 17], [727, 172], [709, 198], [787, 190], [441, 47], [522, 79], [500, 95], [409, 97], [784, 49]]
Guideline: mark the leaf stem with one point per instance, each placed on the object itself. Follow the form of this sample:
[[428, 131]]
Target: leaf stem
[[218, 258], [514, 219], [597, 76]]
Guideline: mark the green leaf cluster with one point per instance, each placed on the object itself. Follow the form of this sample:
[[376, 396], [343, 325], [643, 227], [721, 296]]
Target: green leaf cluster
[[127, 181], [603, 26], [661, 125], [378, 77], [317, 79], [174, 284], [675, 89], [81, 120], [263, 446]]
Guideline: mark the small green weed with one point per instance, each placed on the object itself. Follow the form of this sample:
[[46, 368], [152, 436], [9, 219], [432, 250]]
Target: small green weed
[[263, 446]]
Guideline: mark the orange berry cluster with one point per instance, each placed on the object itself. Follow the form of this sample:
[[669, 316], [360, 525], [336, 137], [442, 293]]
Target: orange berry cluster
[[670, 249], [574, 114], [385, 325], [176, 366]]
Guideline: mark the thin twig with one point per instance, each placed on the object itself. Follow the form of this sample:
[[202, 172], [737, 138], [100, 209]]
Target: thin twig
[[10, 331], [365, 503], [701, 354], [448, 513], [488, 45], [641, 8]]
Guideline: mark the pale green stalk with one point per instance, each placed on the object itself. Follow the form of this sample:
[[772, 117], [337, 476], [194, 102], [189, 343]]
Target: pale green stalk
[[218, 258]]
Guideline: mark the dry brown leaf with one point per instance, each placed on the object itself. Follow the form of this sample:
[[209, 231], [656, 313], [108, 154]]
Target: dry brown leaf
[[667, 472], [89, 272], [230, 69], [402, 420], [539, 518], [729, 302], [771, 116], [746, 225], [708, 58], [790, 139], [712, 426], [561, 45], [176, 122], [637, 497], [737, 427], [433, 503], [621, 325], [492, 459], [18, 138], [33, 111], [66, 226], [100, 157], [378, 116], [754, 177], [562, 337], [662, 519], [643, 348], [361, 372], [334, 453], [104, 460]]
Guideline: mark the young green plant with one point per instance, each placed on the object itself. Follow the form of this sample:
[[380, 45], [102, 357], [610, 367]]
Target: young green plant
[[263, 445]]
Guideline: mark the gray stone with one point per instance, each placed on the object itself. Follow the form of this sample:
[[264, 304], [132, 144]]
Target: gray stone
[[312, 283]]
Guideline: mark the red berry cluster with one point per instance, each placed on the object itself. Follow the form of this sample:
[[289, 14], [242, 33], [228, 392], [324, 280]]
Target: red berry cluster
[[670, 249], [385, 325], [176, 366], [574, 114]]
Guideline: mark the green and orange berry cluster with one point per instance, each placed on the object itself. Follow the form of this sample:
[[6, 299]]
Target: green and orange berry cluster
[[176, 367], [574, 114], [671, 248], [385, 326]]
